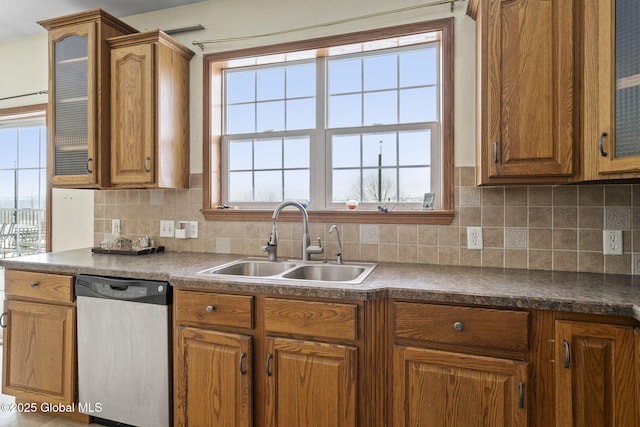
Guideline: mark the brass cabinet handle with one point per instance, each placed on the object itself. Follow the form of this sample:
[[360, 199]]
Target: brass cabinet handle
[[210, 309], [243, 356], [268, 364], [601, 144], [458, 326], [521, 397], [567, 354], [147, 164], [33, 284], [495, 151], [3, 320], [89, 160]]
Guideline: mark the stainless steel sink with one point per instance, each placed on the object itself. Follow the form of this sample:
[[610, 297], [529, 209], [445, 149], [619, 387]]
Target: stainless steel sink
[[253, 268], [295, 270], [326, 272]]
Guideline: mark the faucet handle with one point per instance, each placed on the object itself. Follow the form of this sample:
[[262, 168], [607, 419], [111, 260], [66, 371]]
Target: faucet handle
[[319, 243], [311, 249]]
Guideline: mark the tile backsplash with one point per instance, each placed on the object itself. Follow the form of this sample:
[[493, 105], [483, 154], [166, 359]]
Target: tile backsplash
[[547, 227]]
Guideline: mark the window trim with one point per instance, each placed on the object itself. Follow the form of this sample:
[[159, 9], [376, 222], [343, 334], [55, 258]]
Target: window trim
[[213, 65]]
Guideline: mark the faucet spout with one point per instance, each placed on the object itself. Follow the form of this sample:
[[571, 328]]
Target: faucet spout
[[339, 254], [307, 249]]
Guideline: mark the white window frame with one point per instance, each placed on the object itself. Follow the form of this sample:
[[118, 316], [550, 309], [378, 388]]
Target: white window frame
[[320, 167]]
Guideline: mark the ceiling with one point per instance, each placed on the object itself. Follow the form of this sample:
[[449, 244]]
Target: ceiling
[[18, 18]]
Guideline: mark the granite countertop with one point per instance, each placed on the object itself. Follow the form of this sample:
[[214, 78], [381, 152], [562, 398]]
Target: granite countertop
[[552, 290]]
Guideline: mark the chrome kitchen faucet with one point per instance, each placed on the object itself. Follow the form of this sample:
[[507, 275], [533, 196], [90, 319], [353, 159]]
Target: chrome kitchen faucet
[[271, 247]]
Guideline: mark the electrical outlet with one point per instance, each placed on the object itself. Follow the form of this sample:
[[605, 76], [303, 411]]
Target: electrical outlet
[[612, 242], [474, 238], [115, 227], [167, 228], [192, 230]]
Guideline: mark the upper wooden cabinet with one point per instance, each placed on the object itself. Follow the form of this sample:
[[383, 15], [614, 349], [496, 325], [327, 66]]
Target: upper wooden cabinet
[[78, 121], [525, 84], [149, 111], [610, 76]]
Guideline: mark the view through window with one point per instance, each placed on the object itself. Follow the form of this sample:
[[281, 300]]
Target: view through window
[[359, 122], [23, 190]]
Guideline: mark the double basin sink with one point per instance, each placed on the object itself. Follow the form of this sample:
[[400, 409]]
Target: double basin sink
[[295, 270]]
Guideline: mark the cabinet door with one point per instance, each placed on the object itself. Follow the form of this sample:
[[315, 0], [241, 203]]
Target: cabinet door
[[212, 378], [72, 105], [133, 114], [437, 388], [39, 352], [595, 375], [310, 384], [611, 129], [526, 91]]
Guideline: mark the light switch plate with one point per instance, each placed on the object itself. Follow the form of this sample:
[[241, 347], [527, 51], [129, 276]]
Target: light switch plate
[[612, 242], [167, 228]]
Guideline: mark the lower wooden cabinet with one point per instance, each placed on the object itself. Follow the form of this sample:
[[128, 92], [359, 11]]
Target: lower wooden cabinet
[[596, 375], [440, 388], [296, 364], [311, 384], [212, 378], [39, 353]]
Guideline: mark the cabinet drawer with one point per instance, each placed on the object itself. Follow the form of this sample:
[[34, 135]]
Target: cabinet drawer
[[214, 309], [44, 286], [467, 326], [315, 319]]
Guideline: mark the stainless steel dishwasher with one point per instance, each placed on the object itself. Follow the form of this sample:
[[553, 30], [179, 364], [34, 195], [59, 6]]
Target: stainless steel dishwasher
[[124, 350]]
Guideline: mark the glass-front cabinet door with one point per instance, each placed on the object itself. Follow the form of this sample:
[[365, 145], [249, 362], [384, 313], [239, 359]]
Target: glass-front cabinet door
[[72, 104], [612, 86]]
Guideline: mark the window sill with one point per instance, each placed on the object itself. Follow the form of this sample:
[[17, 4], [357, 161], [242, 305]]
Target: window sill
[[361, 217]]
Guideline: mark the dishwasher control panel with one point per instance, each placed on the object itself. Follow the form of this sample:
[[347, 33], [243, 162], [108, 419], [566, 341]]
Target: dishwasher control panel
[[134, 290]]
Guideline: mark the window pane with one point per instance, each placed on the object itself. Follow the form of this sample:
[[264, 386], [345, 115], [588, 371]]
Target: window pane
[[414, 182], [241, 119], [418, 105], [241, 86], [345, 75], [371, 149], [270, 116], [43, 187], [345, 110], [240, 155], [296, 153], [346, 185], [7, 189], [29, 188], [418, 67], [301, 114], [29, 147], [43, 147], [268, 186], [301, 80], [345, 151], [270, 84], [379, 182], [381, 108], [268, 154], [8, 148], [415, 148], [296, 185], [240, 187], [381, 72]]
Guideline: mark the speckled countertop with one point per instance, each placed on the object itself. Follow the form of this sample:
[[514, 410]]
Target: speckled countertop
[[553, 290]]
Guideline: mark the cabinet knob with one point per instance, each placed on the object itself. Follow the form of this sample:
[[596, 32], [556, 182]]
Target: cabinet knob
[[89, 160], [458, 326], [210, 309], [33, 284], [243, 356], [567, 354], [495, 151], [147, 164], [3, 320]]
